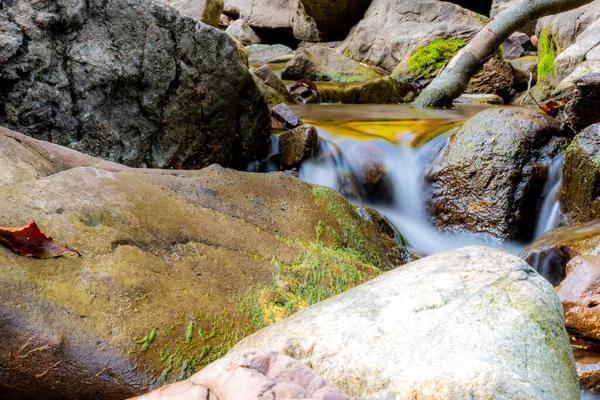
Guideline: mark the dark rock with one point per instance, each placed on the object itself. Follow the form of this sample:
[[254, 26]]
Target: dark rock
[[305, 91], [131, 81], [491, 174], [282, 113], [580, 297], [319, 63], [550, 254], [494, 77], [298, 145], [348, 186], [513, 46], [580, 191], [584, 108], [272, 87]]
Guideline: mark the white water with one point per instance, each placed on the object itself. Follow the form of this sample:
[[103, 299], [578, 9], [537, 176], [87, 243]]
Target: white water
[[550, 211]]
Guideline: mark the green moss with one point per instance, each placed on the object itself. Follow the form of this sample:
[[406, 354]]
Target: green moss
[[189, 332], [429, 59], [320, 230], [148, 339], [347, 53], [547, 49], [482, 19]]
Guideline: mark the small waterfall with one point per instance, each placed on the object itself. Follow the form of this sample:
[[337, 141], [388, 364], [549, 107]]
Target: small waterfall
[[550, 210]]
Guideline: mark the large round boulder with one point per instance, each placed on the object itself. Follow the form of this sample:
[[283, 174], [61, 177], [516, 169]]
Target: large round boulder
[[472, 323], [175, 267], [490, 176], [132, 81]]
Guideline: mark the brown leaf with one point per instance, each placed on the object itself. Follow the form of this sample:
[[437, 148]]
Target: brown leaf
[[29, 241]]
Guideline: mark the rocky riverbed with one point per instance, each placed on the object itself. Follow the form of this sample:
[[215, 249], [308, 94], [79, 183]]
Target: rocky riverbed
[[243, 204]]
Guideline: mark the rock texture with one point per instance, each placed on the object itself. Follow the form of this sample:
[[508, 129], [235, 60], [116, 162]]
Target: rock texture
[[583, 108], [550, 254], [492, 172], [494, 77], [580, 190], [251, 375], [131, 81], [298, 145], [242, 32], [472, 323], [175, 267], [207, 11], [319, 63], [264, 53], [394, 29], [580, 296], [271, 86]]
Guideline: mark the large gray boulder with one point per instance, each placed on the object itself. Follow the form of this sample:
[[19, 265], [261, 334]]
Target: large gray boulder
[[491, 174], [471, 323], [132, 81], [394, 29], [207, 11]]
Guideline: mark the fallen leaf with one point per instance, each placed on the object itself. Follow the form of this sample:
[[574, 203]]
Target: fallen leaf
[[29, 241]]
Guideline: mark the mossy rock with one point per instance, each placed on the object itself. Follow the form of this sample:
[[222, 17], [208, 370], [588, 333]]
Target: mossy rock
[[175, 267], [428, 60], [387, 90]]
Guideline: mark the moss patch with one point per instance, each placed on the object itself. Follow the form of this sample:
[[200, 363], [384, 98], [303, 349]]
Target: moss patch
[[429, 59], [548, 49]]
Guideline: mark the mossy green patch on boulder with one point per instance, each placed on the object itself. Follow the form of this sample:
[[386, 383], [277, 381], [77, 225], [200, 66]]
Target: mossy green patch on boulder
[[170, 263], [548, 50], [387, 90], [426, 61]]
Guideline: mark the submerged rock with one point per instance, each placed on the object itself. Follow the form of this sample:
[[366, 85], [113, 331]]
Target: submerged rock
[[207, 11], [319, 63], [242, 32], [251, 375], [176, 267], [491, 174], [132, 81], [392, 29], [471, 323], [550, 254], [580, 190]]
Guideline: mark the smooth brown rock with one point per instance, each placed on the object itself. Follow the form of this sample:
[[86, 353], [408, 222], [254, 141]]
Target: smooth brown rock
[[251, 375], [298, 145], [492, 172], [285, 116]]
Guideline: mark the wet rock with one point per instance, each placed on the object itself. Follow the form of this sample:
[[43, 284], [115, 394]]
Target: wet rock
[[492, 172], [387, 90], [550, 254], [584, 107], [264, 53], [393, 29], [580, 191], [513, 46], [523, 68], [580, 296], [285, 116], [464, 323], [319, 63], [207, 11], [164, 252], [349, 187], [298, 145], [242, 32], [494, 77], [367, 163], [272, 87], [305, 91], [470, 99], [131, 81], [327, 20], [249, 375]]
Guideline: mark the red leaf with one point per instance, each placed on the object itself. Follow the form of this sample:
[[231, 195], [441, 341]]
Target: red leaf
[[29, 241]]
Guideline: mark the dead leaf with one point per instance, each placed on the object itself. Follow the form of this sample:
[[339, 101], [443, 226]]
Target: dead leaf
[[29, 241]]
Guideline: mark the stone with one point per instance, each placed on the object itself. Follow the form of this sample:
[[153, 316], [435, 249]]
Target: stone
[[264, 53], [282, 113], [494, 77], [583, 109], [580, 190], [272, 87], [491, 174], [523, 68], [567, 26], [131, 81], [472, 323], [207, 11], [387, 90], [298, 145], [513, 46], [393, 30], [176, 267], [470, 99], [242, 32], [250, 375], [580, 296], [319, 63], [550, 254]]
